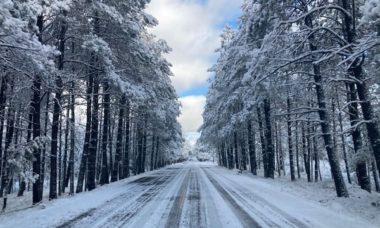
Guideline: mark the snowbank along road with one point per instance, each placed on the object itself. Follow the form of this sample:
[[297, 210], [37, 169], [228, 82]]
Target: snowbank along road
[[185, 195]]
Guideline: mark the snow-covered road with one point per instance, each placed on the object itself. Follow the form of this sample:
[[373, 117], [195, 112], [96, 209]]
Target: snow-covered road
[[184, 195]]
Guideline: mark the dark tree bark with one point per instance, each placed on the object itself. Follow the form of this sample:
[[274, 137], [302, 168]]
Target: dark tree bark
[[243, 153], [156, 165], [143, 156], [324, 117], [316, 157], [104, 178], [263, 142], [356, 70], [277, 139], [375, 177], [297, 153], [305, 154], [340, 120], [36, 107], [268, 139], [3, 100], [119, 139], [152, 154], [357, 140], [237, 166], [127, 143], [86, 145], [54, 140], [91, 166], [72, 138], [66, 168], [230, 156], [8, 174], [290, 145], [252, 149], [56, 112]]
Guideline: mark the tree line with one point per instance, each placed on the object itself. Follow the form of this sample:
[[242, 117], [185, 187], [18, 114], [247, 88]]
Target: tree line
[[295, 84], [85, 96]]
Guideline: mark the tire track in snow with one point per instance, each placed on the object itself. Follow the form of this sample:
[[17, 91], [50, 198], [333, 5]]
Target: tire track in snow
[[120, 209], [195, 211], [245, 218], [175, 213], [273, 211]]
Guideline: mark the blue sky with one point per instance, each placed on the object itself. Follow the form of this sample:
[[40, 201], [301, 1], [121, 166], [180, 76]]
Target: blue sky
[[192, 28]]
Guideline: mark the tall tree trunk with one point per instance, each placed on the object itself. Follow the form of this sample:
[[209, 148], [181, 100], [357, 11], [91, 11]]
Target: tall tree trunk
[[57, 111], [268, 139], [8, 174], [305, 154], [54, 140], [43, 156], [152, 154], [143, 157], [356, 70], [375, 177], [324, 117], [86, 145], [72, 138], [243, 153], [340, 120], [297, 153], [157, 153], [104, 178], [237, 166], [3, 100], [361, 166], [252, 149], [127, 142], [60, 157], [290, 145], [91, 166], [263, 142], [66, 168], [316, 156], [119, 139], [230, 155]]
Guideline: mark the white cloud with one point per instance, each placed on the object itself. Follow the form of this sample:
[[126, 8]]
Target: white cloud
[[192, 108], [192, 29]]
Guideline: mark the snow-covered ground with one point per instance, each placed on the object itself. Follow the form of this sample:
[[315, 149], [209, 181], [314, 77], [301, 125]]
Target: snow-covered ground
[[196, 194]]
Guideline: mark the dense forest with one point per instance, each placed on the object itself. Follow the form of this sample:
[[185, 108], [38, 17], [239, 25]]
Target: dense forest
[[85, 96], [298, 83]]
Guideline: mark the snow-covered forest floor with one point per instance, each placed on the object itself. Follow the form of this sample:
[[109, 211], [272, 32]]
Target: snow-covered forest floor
[[194, 194]]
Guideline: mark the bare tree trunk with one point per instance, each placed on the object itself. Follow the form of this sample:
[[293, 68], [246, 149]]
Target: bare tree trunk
[[127, 143], [86, 145], [290, 146], [340, 120], [104, 178], [237, 166], [305, 154], [375, 177], [3, 100], [361, 166], [252, 149], [356, 70], [72, 138], [268, 139], [118, 162], [297, 153], [263, 142], [324, 116]]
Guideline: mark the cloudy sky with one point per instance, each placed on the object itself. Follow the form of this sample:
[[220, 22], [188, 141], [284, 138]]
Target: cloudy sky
[[192, 28]]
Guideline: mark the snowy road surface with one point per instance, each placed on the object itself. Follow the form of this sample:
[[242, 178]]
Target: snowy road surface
[[185, 195]]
